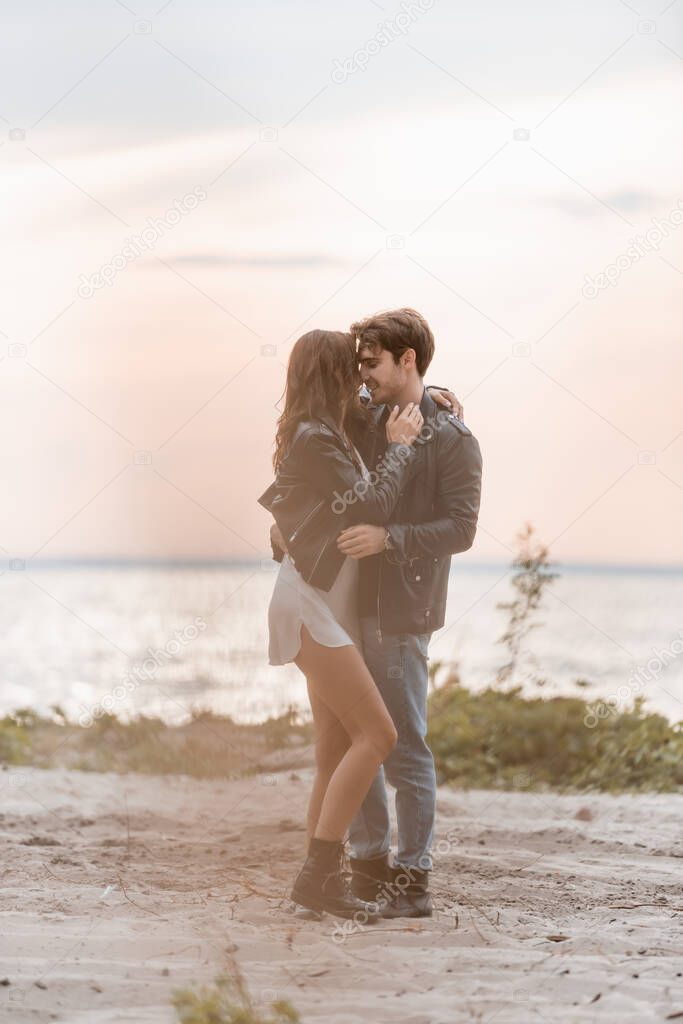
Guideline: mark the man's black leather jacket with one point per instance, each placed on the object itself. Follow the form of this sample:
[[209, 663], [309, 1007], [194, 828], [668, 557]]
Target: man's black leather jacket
[[319, 490], [435, 517]]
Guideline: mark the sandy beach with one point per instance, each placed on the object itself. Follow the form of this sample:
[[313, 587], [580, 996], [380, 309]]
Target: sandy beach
[[118, 889]]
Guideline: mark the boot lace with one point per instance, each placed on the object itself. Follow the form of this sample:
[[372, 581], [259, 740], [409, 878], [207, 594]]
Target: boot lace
[[340, 877]]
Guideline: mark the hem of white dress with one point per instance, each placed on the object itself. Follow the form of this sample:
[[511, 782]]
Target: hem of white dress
[[345, 643]]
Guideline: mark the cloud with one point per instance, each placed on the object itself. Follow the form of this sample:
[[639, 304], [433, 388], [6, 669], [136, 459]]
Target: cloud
[[632, 201], [265, 260], [627, 201]]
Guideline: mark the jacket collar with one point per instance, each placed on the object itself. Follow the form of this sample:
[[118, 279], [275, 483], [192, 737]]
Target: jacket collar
[[334, 427], [349, 448], [328, 422], [428, 407]]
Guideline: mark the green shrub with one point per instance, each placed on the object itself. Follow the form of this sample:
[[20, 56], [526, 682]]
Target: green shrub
[[227, 1002], [497, 738], [205, 746]]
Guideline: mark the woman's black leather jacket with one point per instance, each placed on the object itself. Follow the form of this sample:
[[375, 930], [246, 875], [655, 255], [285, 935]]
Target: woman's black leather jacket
[[319, 490]]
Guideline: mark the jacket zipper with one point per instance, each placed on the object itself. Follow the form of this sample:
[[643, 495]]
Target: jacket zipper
[[381, 561], [320, 555], [301, 525], [379, 588]]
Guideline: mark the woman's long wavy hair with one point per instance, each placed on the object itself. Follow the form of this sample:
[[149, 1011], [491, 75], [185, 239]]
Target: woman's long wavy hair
[[322, 380]]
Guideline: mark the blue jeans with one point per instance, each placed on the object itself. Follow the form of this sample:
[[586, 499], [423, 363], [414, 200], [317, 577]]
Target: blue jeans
[[399, 667]]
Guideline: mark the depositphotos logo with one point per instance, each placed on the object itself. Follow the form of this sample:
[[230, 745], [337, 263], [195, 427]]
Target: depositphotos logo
[[398, 456], [389, 30], [638, 247], [138, 245]]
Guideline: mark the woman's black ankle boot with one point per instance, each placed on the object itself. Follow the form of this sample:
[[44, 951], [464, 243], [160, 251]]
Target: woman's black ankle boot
[[322, 883]]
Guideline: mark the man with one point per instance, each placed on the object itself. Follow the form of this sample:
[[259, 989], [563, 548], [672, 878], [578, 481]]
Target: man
[[404, 574]]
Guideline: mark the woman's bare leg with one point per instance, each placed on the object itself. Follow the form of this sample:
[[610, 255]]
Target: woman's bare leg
[[331, 743], [339, 678]]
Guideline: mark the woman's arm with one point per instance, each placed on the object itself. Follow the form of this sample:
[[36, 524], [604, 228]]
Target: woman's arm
[[329, 468], [446, 399]]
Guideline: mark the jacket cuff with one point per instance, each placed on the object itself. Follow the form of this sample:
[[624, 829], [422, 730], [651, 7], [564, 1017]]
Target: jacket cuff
[[278, 553]]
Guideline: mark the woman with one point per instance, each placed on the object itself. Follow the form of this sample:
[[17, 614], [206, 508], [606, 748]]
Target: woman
[[322, 487]]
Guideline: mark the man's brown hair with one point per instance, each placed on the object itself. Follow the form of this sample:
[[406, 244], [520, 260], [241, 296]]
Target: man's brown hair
[[398, 330]]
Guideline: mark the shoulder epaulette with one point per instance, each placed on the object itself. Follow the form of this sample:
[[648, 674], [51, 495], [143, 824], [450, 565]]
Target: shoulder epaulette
[[458, 424]]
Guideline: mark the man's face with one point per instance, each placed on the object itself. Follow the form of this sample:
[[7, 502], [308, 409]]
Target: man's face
[[380, 374]]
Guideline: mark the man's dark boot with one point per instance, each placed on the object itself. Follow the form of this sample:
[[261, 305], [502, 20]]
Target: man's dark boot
[[370, 878], [409, 894], [322, 884]]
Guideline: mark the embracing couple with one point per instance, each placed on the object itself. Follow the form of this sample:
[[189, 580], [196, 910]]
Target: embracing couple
[[377, 485]]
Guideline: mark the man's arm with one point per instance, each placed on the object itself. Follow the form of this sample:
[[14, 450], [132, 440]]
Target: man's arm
[[457, 501]]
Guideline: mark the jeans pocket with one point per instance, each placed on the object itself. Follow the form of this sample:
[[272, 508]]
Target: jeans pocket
[[423, 643]]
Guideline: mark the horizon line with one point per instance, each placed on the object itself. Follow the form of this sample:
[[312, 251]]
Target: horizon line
[[97, 561]]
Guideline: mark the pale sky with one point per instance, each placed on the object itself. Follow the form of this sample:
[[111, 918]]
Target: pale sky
[[481, 166]]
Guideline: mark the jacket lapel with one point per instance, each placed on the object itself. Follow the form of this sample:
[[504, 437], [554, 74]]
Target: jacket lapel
[[418, 462]]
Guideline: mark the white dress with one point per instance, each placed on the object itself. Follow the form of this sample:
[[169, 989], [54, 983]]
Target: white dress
[[330, 616]]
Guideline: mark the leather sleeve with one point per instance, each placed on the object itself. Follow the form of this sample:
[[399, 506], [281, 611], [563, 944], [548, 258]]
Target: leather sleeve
[[457, 504], [278, 553], [329, 469]]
